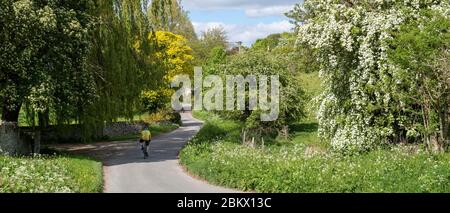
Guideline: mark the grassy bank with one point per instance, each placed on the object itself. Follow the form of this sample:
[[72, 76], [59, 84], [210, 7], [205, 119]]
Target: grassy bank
[[304, 164], [50, 174]]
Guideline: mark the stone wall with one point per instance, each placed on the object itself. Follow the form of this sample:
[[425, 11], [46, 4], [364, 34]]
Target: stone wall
[[61, 134], [73, 134], [22, 141], [122, 129], [13, 141]]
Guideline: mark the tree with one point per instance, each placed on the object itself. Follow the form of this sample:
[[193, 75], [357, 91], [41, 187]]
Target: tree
[[426, 39], [268, 43], [215, 37], [292, 97], [361, 106], [78, 60], [218, 56], [297, 57], [121, 62], [176, 55], [43, 55], [210, 39], [173, 18]]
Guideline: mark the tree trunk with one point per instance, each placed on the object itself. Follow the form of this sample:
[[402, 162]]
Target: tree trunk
[[10, 114], [44, 119], [36, 145], [426, 135], [443, 118], [444, 123], [437, 145]]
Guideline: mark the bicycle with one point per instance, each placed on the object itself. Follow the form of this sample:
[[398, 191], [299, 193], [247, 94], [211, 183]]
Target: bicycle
[[144, 147]]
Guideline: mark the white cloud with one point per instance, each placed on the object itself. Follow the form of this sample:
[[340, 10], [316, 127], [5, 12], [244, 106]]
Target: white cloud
[[252, 8], [248, 34], [235, 4], [268, 11]]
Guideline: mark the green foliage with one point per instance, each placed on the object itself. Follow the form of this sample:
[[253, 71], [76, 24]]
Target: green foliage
[[292, 97], [209, 43], [168, 15], [304, 164], [78, 60], [366, 98], [218, 56], [311, 82], [155, 100], [216, 129], [176, 57], [121, 63], [268, 43], [297, 57], [50, 174], [43, 56], [421, 54]]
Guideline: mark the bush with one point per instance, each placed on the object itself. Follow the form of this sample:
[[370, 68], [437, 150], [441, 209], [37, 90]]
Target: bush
[[292, 97], [155, 100], [165, 115], [175, 118]]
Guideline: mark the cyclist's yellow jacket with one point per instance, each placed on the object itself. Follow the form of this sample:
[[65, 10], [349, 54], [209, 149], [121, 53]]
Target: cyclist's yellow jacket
[[146, 135]]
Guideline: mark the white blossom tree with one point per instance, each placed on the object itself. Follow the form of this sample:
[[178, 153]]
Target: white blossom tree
[[361, 107]]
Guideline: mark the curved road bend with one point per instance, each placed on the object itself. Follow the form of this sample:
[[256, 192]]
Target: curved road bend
[[127, 171]]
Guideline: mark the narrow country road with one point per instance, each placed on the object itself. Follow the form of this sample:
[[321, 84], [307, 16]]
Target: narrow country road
[[129, 172], [126, 171]]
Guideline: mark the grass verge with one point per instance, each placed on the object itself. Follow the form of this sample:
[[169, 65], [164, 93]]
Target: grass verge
[[50, 174], [304, 164]]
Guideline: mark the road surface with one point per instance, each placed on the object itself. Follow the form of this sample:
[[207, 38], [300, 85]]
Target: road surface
[[127, 171]]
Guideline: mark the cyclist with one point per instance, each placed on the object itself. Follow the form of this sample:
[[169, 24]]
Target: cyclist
[[146, 137]]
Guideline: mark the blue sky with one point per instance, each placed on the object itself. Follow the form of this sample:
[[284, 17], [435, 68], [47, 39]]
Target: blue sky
[[244, 20]]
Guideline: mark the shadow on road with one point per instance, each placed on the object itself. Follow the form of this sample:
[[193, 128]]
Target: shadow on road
[[162, 148]]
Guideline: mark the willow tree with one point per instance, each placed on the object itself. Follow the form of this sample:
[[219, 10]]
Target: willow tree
[[122, 71], [77, 59]]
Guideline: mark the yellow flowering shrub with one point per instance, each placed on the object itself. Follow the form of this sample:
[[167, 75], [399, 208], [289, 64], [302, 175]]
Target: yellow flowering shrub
[[176, 55]]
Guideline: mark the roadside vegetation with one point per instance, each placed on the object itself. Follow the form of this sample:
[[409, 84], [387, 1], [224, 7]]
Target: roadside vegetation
[[376, 120], [86, 64], [304, 163], [50, 174]]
